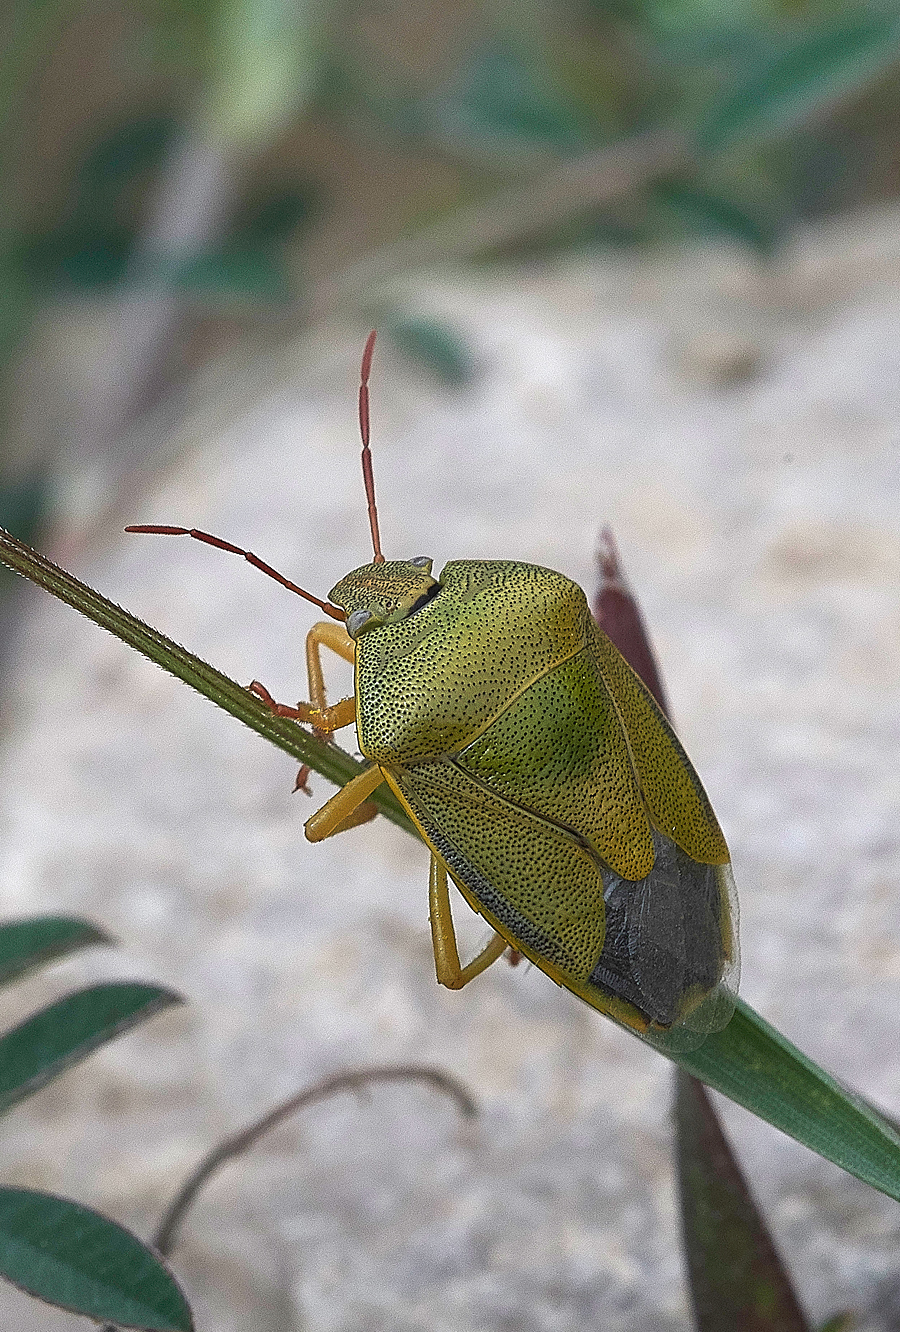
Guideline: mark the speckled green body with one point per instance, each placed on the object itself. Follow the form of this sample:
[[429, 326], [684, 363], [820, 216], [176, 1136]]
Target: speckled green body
[[541, 772]]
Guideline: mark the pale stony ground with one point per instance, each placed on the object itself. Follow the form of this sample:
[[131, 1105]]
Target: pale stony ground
[[757, 518]]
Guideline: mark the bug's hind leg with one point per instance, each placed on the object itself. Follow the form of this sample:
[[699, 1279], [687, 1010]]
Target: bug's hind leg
[[443, 936]]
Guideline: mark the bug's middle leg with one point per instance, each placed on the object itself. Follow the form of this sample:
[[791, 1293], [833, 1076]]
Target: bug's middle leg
[[443, 936], [347, 808]]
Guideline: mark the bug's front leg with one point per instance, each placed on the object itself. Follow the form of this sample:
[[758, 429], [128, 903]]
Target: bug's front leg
[[323, 718], [443, 936], [317, 713]]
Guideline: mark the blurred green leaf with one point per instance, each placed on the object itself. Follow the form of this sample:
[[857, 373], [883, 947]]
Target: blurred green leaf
[[30, 943], [274, 219], [230, 273], [92, 258], [434, 345], [23, 504], [708, 214], [83, 255], [790, 87], [112, 161], [73, 1257], [43, 1046], [501, 102], [265, 58], [736, 1278]]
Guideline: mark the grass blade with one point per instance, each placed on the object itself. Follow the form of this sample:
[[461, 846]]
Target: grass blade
[[328, 760], [754, 1065], [736, 1277]]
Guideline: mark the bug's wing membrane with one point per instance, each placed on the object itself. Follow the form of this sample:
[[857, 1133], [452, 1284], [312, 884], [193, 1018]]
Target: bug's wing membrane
[[670, 943], [530, 878]]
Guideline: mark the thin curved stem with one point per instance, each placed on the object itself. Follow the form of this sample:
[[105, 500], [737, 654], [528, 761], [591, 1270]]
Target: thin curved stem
[[234, 1146]]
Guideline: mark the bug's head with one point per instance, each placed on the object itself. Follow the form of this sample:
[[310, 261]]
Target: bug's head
[[384, 593]]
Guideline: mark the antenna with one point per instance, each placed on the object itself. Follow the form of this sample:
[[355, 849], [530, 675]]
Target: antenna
[[368, 478], [334, 611]]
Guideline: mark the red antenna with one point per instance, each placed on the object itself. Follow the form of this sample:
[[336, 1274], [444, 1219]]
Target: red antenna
[[334, 611], [368, 478]]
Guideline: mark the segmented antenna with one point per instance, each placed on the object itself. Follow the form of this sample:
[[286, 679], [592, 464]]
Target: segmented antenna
[[334, 611], [368, 478]]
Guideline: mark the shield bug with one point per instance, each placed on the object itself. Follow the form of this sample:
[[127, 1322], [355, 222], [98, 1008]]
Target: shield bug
[[539, 771]]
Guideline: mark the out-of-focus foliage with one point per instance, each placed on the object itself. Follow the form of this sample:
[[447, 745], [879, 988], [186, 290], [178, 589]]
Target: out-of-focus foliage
[[329, 130], [51, 1247], [788, 109]]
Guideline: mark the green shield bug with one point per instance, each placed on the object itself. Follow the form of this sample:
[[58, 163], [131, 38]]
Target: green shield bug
[[539, 771]]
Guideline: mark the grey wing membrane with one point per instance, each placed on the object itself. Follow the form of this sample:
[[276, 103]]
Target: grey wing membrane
[[668, 947]]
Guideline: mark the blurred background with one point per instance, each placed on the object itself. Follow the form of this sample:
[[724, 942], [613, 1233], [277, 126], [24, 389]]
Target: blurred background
[[635, 262], [180, 179]]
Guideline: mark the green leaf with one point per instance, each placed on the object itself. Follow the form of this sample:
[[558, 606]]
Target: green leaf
[[111, 163], [85, 255], [264, 68], [43, 1046], [275, 217], [753, 1064], [736, 1278], [231, 273], [73, 1257], [326, 759], [507, 103], [708, 214], [435, 346], [25, 944], [24, 502], [802, 81]]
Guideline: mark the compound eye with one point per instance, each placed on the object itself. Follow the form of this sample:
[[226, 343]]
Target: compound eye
[[357, 620], [421, 561]]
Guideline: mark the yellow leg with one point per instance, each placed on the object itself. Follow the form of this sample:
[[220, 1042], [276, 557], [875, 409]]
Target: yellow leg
[[443, 936], [317, 713], [326, 719], [349, 807], [330, 635], [342, 811]]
